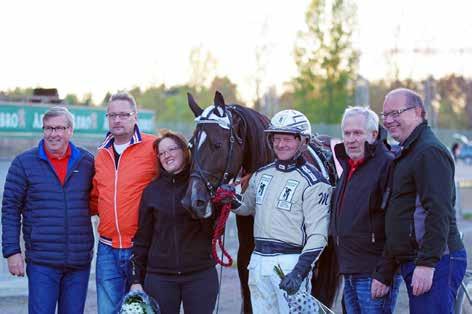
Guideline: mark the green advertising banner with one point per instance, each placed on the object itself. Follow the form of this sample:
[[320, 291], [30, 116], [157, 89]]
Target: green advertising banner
[[26, 119]]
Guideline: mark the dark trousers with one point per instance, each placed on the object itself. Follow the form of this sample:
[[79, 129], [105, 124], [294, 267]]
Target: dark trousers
[[196, 291], [448, 275], [245, 226], [50, 286]]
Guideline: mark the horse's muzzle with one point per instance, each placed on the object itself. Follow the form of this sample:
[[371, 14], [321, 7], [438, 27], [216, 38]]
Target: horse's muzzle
[[197, 199]]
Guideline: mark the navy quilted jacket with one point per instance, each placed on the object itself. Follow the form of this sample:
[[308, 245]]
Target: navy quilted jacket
[[56, 223]]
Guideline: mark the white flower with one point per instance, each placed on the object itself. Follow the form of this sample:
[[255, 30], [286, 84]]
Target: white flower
[[132, 308]]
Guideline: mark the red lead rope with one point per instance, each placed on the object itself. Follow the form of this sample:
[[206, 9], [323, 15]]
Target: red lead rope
[[220, 226]]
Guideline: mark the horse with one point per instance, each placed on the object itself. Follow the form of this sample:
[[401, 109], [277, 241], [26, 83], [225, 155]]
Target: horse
[[229, 141]]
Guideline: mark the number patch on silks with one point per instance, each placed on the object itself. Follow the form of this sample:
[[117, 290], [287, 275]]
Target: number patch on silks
[[323, 198], [285, 198], [262, 188]]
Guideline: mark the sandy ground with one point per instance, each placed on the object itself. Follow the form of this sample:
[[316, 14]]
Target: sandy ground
[[13, 291]]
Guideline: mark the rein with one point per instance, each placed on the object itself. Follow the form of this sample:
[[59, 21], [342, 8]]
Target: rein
[[220, 227], [216, 195]]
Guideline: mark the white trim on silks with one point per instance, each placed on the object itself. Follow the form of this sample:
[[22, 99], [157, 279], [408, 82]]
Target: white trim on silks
[[209, 116]]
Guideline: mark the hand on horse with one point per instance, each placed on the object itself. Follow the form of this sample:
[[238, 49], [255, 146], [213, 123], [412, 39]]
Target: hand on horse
[[291, 282], [227, 195]]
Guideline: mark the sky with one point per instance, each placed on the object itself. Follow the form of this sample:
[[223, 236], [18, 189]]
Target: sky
[[99, 46]]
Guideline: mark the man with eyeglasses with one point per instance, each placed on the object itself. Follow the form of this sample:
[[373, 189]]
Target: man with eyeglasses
[[420, 224], [125, 164], [47, 194]]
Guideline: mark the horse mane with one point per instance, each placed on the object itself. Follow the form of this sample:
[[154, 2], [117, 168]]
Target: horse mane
[[257, 152]]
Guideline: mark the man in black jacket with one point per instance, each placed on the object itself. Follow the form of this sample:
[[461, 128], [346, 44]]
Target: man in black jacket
[[357, 219], [421, 227]]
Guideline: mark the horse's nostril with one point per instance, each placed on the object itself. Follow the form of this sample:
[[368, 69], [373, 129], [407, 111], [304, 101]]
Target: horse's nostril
[[200, 203]]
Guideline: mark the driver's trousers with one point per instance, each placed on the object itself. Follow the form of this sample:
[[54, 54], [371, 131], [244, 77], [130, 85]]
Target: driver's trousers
[[266, 296]]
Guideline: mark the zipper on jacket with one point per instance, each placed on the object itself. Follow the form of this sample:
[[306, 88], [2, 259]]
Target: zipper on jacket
[[117, 226], [68, 175], [338, 205], [177, 259], [371, 223], [66, 221], [73, 167], [66, 227]]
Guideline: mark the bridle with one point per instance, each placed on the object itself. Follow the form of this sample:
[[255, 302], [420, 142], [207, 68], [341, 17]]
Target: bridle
[[203, 174]]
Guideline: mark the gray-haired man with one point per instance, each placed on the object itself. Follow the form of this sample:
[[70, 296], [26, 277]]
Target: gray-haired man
[[47, 194], [357, 217]]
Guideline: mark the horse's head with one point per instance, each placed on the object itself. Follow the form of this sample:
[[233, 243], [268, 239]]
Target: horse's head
[[217, 153]]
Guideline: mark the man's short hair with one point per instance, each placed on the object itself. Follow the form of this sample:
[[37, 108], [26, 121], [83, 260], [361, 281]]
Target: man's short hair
[[59, 111], [126, 97], [371, 118], [413, 99]]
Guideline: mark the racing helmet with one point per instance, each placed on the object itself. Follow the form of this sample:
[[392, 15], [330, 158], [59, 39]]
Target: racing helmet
[[291, 122]]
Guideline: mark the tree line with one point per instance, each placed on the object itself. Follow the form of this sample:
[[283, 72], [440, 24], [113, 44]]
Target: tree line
[[326, 83]]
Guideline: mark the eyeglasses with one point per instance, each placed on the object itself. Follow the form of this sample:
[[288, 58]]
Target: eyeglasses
[[168, 152], [58, 129], [120, 115], [394, 114]]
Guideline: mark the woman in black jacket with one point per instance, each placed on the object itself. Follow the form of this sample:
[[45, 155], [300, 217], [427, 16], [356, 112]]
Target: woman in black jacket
[[172, 251]]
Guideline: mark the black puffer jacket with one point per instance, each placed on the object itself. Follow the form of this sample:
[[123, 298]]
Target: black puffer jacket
[[168, 240], [357, 220]]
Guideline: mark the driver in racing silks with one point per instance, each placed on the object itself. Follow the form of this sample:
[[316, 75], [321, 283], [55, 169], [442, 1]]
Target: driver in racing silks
[[290, 201]]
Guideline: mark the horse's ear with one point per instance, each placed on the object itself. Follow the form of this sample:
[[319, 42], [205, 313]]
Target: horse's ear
[[197, 111], [219, 100]]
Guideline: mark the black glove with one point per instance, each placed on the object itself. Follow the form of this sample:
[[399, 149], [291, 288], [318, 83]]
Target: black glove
[[291, 282], [234, 200]]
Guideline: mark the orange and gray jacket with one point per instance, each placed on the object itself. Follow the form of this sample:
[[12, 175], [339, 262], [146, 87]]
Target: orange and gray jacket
[[117, 190]]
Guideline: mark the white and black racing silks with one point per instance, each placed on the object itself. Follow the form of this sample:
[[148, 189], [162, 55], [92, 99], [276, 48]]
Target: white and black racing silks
[[290, 202]]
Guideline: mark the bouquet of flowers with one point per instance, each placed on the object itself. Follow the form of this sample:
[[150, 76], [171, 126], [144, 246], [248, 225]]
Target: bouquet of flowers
[[302, 302], [138, 302]]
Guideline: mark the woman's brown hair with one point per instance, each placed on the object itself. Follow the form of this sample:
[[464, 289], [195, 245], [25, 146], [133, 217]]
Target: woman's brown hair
[[179, 139]]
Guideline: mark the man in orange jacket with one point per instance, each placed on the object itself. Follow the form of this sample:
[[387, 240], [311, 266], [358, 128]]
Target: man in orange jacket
[[125, 163]]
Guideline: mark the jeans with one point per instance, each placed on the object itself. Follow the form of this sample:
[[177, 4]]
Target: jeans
[[197, 291], [113, 274], [358, 299], [447, 278], [48, 286]]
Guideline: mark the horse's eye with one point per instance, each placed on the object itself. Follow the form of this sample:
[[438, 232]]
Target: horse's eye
[[218, 145]]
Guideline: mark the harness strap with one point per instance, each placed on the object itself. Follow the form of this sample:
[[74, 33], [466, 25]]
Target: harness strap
[[226, 174]]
